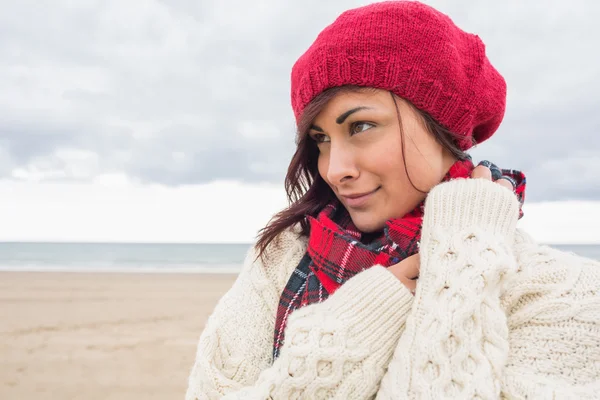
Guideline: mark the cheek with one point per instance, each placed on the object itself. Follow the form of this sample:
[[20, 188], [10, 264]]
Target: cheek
[[417, 164], [399, 195], [323, 166], [386, 161], [424, 162]]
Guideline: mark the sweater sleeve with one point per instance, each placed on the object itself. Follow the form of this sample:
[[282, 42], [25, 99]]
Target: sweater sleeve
[[335, 349], [553, 311], [455, 344]]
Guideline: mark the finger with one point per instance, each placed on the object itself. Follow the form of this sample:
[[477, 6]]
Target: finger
[[410, 285], [507, 182], [483, 172], [496, 172], [411, 266]]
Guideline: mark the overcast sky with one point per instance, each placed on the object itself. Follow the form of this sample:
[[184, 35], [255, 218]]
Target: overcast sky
[[188, 93]]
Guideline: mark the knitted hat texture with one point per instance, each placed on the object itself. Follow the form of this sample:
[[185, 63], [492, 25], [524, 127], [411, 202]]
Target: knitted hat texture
[[414, 51]]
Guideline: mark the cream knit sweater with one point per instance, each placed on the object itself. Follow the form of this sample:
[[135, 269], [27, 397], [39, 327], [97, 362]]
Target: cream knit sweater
[[494, 316]]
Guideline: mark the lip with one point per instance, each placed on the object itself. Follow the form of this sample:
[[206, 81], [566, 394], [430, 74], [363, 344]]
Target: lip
[[358, 199]]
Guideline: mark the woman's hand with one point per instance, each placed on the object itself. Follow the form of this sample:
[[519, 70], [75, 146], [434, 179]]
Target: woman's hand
[[486, 170], [407, 270]]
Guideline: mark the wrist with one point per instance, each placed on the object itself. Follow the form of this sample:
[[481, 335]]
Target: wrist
[[463, 203]]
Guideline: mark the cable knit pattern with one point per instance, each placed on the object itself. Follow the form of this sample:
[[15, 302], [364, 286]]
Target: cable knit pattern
[[495, 316], [235, 345], [335, 349], [486, 323], [456, 340], [554, 312]]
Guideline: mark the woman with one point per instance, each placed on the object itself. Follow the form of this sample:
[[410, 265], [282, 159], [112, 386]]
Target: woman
[[398, 271]]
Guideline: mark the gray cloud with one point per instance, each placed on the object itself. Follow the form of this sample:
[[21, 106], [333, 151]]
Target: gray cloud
[[184, 91]]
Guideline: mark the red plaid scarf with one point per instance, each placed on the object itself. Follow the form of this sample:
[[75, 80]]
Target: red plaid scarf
[[337, 250]]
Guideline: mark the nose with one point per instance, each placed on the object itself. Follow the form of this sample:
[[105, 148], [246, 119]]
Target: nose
[[342, 164]]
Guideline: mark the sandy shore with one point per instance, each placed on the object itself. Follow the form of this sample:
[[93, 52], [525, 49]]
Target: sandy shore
[[101, 336]]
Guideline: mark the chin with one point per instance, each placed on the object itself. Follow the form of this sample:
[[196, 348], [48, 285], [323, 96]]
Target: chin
[[367, 223]]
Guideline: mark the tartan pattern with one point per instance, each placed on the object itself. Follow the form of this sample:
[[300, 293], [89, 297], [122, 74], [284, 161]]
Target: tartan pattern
[[520, 183], [337, 250]]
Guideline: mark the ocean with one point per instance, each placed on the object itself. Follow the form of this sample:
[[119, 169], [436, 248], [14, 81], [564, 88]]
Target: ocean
[[122, 257], [152, 258]]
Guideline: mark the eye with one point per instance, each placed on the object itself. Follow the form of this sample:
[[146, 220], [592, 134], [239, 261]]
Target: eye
[[320, 138], [358, 127]]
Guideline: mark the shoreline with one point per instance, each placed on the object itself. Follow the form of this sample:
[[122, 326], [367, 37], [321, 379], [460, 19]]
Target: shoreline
[[229, 270], [119, 272]]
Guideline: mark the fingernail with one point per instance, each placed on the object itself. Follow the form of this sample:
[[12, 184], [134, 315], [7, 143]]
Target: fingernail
[[485, 163], [496, 173], [512, 181]]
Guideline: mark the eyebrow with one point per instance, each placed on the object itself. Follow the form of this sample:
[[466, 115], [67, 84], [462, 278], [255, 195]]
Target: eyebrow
[[340, 120]]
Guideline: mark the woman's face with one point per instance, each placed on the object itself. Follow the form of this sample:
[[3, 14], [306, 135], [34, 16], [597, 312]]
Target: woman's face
[[360, 156]]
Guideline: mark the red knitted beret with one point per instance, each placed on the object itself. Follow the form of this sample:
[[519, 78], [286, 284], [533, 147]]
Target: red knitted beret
[[414, 51]]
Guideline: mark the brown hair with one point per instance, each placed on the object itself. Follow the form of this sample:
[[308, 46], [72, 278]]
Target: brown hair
[[306, 190]]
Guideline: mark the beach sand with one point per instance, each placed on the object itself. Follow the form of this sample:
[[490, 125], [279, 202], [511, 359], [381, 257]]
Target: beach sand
[[101, 336]]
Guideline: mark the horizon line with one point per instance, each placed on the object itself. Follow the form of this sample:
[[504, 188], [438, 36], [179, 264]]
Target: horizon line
[[216, 243]]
